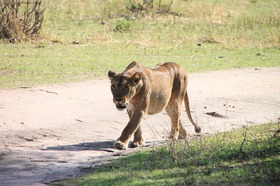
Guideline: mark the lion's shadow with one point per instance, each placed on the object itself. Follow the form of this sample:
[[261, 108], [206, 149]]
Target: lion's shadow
[[107, 146]]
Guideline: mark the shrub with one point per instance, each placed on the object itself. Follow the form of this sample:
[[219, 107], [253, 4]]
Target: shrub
[[20, 19]]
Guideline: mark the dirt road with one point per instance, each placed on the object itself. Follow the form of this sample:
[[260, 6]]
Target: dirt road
[[54, 132]]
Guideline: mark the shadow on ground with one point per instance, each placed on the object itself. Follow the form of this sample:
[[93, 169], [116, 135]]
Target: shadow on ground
[[107, 146]]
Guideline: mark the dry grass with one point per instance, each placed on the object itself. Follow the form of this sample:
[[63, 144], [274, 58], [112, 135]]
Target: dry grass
[[232, 24]]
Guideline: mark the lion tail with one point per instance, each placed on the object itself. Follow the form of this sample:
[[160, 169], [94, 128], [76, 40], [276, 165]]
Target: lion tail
[[187, 106]]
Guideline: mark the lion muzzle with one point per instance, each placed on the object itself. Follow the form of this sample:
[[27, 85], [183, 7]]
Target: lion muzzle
[[120, 103]]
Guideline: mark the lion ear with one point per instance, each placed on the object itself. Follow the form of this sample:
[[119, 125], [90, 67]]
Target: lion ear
[[135, 78], [111, 74]]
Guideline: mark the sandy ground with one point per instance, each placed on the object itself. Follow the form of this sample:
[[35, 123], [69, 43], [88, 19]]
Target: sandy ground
[[57, 131]]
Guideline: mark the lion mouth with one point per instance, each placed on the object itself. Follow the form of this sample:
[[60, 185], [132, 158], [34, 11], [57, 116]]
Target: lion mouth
[[120, 107]]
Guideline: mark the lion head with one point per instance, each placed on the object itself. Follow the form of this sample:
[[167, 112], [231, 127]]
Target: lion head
[[123, 88]]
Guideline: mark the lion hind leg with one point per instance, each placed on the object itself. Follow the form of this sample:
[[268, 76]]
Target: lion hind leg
[[174, 134], [174, 113], [182, 131]]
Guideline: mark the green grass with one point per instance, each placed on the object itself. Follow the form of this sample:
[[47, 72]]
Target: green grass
[[29, 65], [79, 40], [248, 156]]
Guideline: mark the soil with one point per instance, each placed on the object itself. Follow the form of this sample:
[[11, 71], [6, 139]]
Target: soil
[[55, 132]]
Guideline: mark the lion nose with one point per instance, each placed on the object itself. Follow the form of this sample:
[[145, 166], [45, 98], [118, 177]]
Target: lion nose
[[119, 99]]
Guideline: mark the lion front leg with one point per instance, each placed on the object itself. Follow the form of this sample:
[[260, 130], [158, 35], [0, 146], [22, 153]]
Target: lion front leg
[[138, 139], [131, 127], [122, 141]]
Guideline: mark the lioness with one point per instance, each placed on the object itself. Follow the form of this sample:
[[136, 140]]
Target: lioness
[[143, 91]]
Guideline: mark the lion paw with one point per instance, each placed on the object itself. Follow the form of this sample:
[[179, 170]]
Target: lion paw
[[173, 136], [121, 145], [138, 143]]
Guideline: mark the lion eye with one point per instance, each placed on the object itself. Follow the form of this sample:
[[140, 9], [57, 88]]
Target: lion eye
[[126, 87]]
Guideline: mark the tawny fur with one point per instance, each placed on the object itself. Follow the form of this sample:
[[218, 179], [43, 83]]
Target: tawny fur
[[143, 91]]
